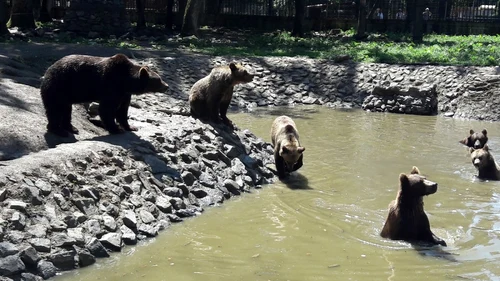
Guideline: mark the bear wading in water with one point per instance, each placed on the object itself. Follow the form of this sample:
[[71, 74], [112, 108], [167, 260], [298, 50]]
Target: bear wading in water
[[476, 140], [407, 220], [210, 96], [111, 81], [288, 154], [485, 164]]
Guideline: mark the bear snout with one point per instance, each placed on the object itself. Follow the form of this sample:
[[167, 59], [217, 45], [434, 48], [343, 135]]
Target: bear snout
[[476, 162], [477, 144], [431, 187]]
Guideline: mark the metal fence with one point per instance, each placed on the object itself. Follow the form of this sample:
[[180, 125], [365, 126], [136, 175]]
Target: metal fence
[[454, 10]]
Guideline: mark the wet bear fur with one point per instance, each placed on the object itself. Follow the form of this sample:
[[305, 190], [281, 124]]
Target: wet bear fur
[[476, 140], [407, 220], [209, 98], [111, 81], [485, 164], [288, 154]]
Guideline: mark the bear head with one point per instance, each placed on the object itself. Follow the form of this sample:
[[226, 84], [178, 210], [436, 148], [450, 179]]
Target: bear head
[[476, 140], [415, 185], [151, 81], [291, 154], [240, 74], [481, 157]]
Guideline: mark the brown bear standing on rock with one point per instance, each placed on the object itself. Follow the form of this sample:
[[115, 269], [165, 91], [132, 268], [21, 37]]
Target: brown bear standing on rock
[[288, 154], [110, 81], [211, 95], [407, 220], [485, 164], [476, 140]]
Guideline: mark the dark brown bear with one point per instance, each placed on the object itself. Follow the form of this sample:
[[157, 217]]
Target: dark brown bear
[[111, 81], [288, 154], [211, 95], [407, 220], [476, 140], [485, 164]]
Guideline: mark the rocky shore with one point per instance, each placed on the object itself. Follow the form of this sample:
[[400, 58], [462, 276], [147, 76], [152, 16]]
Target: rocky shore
[[65, 204]]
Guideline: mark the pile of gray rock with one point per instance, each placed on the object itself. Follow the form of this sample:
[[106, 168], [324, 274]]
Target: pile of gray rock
[[62, 208], [392, 98]]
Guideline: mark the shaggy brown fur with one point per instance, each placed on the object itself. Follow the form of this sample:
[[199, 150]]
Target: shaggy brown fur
[[476, 140], [485, 164], [110, 81], [210, 96], [288, 154], [407, 220]]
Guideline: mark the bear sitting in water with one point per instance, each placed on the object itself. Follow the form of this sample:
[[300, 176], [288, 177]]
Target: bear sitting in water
[[110, 81], [209, 98], [485, 164], [288, 154], [407, 220], [476, 140]]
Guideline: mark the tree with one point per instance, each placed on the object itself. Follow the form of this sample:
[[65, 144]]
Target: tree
[[45, 11], [170, 16], [141, 17], [191, 16], [3, 18], [418, 21], [22, 14], [298, 23], [361, 28]]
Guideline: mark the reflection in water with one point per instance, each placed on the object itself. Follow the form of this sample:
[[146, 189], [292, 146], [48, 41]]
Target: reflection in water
[[324, 222]]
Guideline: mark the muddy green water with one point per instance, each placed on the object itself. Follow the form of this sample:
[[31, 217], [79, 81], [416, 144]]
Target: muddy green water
[[325, 226]]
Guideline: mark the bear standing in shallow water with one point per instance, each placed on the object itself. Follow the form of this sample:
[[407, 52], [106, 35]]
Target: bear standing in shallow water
[[485, 164], [407, 220], [288, 154], [110, 81], [210, 96], [476, 140]]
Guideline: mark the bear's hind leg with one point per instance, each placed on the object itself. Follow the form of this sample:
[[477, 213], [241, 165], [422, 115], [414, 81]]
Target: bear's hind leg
[[66, 119], [55, 118], [107, 111]]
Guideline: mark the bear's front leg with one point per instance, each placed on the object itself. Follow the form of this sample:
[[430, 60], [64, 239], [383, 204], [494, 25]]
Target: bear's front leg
[[438, 240], [299, 163], [223, 111], [280, 166], [122, 114], [107, 110]]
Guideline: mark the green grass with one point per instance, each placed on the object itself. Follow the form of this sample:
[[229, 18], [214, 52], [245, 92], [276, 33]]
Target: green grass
[[478, 50]]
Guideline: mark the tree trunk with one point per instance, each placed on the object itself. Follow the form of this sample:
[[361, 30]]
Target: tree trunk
[[191, 16], [21, 14], [418, 21], [45, 12], [298, 23], [3, 18], [170, 16], [141, 17], [361, 28]]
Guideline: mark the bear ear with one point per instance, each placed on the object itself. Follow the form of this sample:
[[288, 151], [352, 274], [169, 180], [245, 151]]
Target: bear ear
[[301, 149], [415, 170], [471, 149], [471, 131], [484, 132], [486, 148], [143, 73], [284, 149], [403, 179], [233, 66]]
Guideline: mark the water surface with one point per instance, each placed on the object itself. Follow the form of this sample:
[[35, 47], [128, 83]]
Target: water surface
[[324, 224]]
